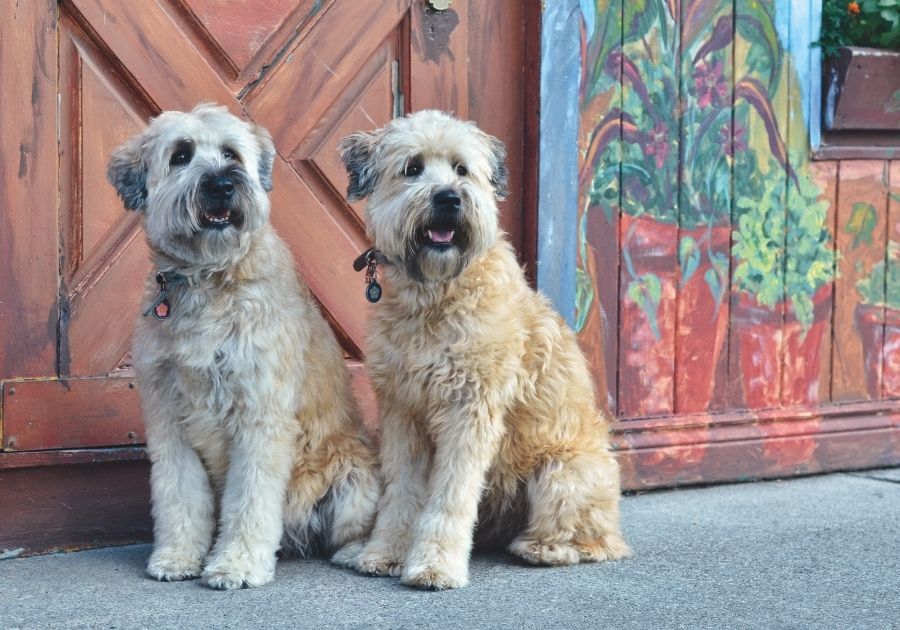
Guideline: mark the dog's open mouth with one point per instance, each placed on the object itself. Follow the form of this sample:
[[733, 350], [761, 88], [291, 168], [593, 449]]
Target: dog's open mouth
[[440, 237], [217, 218]]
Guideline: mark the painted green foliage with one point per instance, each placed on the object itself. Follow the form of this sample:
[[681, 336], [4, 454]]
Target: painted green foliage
[[693, 145]]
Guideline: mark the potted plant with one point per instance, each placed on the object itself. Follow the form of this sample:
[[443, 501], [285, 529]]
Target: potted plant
[[878, 322], [784, 264], [861, 44]]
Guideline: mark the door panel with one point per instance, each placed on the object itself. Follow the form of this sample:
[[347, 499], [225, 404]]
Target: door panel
[[310, 71]]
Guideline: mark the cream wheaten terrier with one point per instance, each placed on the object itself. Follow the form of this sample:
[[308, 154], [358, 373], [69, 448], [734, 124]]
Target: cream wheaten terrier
[[486, 404], [252, 430]]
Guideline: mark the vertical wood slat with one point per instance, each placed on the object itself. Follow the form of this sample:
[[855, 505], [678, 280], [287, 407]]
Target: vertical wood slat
[[861, 241], [825, 175], [755, 331], [648, 244], [29, 233], [496, 99], [597, 291], [704, 212], [804, 343], [438, 64], [891, 352]]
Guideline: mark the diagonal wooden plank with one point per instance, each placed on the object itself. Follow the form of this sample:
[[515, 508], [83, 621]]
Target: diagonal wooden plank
[[319, 67], [164, 62], [174, 75]]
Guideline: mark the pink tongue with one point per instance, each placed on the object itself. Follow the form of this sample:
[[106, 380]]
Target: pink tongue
[[440, 236]]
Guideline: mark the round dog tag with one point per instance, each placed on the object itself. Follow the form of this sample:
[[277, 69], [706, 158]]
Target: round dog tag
[[161, 310], [373, 292]]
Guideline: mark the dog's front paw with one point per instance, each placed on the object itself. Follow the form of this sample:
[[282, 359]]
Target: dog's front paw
[[168, 565], [377, 563], [436, 568], [544, 552], [435, 577], [226, 575]]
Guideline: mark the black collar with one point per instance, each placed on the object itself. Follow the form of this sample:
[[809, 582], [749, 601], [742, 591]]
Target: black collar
[[369, 256]]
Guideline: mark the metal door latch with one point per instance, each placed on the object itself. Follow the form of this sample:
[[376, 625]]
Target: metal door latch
[[440, 5]]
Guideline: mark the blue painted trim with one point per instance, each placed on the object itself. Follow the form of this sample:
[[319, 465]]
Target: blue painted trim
[[815, 77], [558, 167]]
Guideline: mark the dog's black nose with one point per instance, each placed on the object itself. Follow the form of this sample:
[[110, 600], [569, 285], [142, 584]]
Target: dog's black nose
[[446, 200], [219, 186]]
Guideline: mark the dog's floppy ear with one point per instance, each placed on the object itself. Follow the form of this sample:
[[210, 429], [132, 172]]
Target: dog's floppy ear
[[127, 172], [358, 154], [266, 156], [499, 173]]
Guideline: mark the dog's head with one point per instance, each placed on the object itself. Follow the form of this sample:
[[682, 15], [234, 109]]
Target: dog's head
[[199, 178], [432, 182]]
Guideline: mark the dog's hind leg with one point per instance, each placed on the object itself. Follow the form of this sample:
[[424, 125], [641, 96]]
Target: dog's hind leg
[[573, 510], [183, 504], [250, 525], [331, 498], [353, 501]]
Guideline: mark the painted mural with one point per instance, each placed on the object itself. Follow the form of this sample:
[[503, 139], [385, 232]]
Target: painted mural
[[718, 267]]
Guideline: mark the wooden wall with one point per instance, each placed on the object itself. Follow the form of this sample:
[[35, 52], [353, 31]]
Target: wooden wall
[[735, 290]]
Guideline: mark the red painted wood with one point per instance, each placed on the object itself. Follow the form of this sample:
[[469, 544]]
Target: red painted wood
[[241, 28], [702, 320], [598, 335], [890, 381], [439, 76], [29, 237], [856, 370], [315, 71], [498, 98], [704, 448], [69, 507], [649, 246], [867, 82], [73, 413], [824, 174]]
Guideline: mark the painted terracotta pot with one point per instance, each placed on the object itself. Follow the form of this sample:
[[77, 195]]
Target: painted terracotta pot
[[702, 327], [879, 328], [780, 362], [646, 343]]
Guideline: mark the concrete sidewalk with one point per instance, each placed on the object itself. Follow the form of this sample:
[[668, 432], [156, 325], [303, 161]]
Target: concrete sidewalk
[[820, 552]]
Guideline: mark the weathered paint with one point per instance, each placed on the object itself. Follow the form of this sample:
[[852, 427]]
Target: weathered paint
[[696, 123], [558, 170]]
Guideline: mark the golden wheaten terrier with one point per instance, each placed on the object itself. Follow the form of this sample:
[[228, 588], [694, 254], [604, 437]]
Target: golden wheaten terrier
[[250, 419], [486, 404]]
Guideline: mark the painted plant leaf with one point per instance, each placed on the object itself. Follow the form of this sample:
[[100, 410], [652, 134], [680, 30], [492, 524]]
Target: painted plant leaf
[[715, 287], [760, 28], [646, 292], [754, 93], [862, 222], [720, 37], [688, 258]]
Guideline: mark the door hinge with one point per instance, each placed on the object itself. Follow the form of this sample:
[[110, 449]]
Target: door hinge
[[397, 87]]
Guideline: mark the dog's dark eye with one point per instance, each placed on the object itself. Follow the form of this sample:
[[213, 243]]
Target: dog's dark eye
[[461, 170], [228, 154], [413, 169], [181, 156]]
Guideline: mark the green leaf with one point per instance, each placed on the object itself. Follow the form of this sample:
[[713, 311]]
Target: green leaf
[[862, 223], [646, 291], [688, 258]]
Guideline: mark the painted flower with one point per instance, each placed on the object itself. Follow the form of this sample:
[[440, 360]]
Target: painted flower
[[710, 87], [733, 143], [853, 8], [656, 143]]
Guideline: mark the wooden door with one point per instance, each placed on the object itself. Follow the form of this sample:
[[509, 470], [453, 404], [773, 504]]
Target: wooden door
[[80, 76]]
